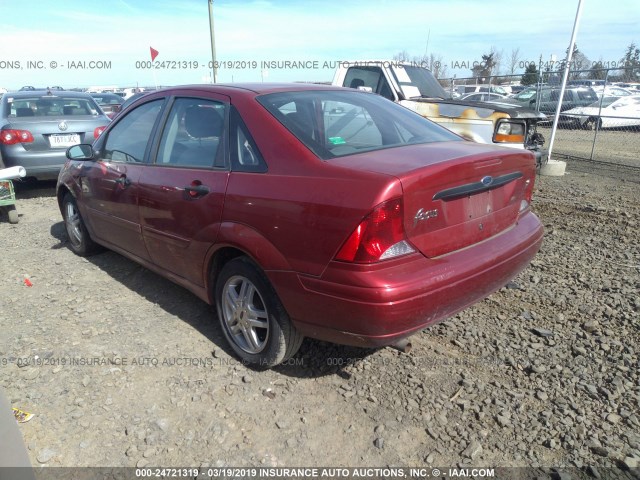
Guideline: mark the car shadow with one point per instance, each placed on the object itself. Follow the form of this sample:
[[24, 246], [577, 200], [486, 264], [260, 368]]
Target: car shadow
[[314, 359], [30, 188]]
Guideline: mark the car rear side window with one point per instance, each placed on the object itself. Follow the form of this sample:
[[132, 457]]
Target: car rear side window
[[127, 140], [245, 156], [338, 123], [194, 134]]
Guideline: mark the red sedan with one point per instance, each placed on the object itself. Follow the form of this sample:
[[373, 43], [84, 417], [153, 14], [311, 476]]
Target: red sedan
[[303, 210]]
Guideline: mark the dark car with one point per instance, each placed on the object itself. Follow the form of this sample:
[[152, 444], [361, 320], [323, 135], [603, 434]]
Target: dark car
[[36, 128], [110, 103], [545, 99], [132, 99], [303, 210]]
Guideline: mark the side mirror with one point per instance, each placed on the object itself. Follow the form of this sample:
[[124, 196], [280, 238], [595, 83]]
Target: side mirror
[[81, 151]]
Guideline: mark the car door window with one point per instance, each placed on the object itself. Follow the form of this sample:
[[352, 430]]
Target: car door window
[[193, 135], [371, 77], [127, 141]]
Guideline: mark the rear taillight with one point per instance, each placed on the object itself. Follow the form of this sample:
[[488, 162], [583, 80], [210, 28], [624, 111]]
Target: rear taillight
[[98, 131], [528, 194], [380, 236], [11, 137]]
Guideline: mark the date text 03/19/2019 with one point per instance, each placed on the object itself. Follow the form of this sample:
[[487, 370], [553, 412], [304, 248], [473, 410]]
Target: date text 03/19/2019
[[314, 472]]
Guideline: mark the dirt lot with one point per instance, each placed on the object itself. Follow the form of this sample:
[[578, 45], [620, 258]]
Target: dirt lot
[[619, 147], [123, 368]]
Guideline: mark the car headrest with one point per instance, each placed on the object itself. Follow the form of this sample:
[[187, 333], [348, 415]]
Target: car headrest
[[203, 122]]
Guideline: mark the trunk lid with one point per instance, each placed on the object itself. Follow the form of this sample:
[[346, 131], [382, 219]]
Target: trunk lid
[[455, 194]]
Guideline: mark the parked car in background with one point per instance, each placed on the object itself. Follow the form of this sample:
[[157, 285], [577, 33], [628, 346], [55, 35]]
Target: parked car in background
[[612, 91], [515, 89], [36, 128], [303, 210], [482, 97], [611, 112], [129, 92], [131, 99], [417, 89], [586, 82], [546, 99], [27, 88], [110, 103], [464, 89]]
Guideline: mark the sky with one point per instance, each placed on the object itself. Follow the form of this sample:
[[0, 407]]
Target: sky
[[83, 43]]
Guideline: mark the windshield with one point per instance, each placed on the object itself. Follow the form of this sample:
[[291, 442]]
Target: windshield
[[606, 101], [417, 82], [51, 105], [337, 123], [525, 95]]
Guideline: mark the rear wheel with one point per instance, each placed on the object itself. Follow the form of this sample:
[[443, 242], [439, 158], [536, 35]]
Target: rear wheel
[[252, 318], [79, 239]]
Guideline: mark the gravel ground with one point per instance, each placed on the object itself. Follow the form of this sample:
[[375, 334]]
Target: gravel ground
[[122, 368]]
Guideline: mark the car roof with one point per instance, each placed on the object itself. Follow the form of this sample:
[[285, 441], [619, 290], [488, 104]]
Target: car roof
[[256, 88], [48, 93]]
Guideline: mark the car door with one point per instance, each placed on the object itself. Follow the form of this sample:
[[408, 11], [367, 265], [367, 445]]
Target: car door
[[182, 191], [110, 186]]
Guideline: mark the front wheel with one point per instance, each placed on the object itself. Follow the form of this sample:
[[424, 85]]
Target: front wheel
[[79, 239], [252, 317]]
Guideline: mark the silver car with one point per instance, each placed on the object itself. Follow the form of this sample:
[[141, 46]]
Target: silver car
[[37, 127]]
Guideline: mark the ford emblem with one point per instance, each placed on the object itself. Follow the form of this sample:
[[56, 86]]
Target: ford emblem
[[486, 181]]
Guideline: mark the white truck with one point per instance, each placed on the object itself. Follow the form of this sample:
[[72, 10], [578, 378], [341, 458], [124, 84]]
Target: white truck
[[416, 88]]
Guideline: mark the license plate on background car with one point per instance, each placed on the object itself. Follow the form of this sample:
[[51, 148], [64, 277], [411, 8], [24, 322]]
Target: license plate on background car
[[64, 141]]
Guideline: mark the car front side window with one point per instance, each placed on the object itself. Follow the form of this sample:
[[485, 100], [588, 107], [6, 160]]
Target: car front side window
[[127, 141]]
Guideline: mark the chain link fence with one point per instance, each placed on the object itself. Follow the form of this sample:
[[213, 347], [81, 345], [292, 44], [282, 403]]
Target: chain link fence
[[600, 113]]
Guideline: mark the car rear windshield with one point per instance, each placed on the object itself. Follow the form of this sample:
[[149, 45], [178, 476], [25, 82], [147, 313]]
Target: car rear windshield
[[338, 123], [50, 105], [108, 99]]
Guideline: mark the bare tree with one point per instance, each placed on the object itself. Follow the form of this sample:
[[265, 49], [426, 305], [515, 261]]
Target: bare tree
[[514, 58], [402, 56], [433, 62], [497, 61]]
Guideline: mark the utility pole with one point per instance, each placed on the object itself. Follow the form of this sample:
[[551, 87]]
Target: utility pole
[[214, 67], [556, 168]]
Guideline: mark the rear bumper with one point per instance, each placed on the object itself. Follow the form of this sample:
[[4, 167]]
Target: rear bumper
[[375, 306], [43, 165]]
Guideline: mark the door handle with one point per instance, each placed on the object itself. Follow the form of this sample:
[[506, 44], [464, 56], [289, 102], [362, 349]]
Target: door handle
[[196, 190], [123, 180]]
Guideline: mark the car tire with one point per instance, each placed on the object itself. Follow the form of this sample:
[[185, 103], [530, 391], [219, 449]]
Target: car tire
[[12, 214], [591, 123], [80, 241], [252, 318]]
